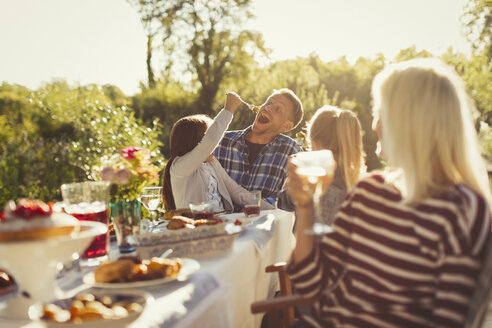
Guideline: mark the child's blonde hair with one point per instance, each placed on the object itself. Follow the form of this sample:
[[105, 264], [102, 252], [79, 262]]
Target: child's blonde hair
[[339, 131], [427, 128]]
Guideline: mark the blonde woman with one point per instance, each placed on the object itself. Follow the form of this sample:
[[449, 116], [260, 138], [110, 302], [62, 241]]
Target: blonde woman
[[406, 245], [339, 131]]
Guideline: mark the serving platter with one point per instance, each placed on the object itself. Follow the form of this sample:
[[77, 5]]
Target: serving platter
[[196, 248]]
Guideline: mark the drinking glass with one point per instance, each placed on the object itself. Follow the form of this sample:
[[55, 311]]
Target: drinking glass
[[315, 166], [252, 205], [88, 201], [151, 199], [203, 210]]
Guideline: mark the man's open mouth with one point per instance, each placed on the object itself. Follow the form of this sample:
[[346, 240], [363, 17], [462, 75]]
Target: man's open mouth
[[263, 119]]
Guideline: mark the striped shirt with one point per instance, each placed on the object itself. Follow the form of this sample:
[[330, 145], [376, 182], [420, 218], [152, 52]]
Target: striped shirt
[[390, 264], [268, 171]]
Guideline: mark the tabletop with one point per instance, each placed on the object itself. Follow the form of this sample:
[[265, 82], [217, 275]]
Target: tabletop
[[220, 293]]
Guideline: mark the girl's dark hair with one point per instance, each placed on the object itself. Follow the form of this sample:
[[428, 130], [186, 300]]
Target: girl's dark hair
[[187, 132]]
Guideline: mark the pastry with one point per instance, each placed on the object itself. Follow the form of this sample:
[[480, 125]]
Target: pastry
[[80, 310], [179, 222], [114, 271], [186, 212], [33, 220], [126, 269]]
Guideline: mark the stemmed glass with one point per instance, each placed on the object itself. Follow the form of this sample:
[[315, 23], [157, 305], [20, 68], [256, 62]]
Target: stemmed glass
[[151, 199], [315, 166]]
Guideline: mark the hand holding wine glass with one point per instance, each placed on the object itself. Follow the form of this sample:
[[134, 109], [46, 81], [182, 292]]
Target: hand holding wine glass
[[310, 175]]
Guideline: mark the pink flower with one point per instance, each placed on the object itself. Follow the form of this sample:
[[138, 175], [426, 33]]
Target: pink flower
[[107, 174], [122, 176], [130, 152]]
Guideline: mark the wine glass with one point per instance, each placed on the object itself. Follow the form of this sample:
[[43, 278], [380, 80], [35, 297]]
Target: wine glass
[[151, 199], [315, 165]]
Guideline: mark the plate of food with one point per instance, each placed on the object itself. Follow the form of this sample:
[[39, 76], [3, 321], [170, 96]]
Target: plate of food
[[96, 308], [132, 272], [239, 218]]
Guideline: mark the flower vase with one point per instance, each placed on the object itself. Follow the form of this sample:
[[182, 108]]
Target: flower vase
[[126, 216]]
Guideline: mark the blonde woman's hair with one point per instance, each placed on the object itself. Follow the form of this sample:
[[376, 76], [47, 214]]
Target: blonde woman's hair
[[339, 131], [427, 128]]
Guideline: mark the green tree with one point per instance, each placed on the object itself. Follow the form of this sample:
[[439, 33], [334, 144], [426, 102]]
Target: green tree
[[206, 38], [476, 73], [477, 21], [166, 103], [411, 53], [159, 18]]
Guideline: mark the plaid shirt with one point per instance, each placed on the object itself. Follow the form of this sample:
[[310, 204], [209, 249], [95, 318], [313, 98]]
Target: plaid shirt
[[268, 171]]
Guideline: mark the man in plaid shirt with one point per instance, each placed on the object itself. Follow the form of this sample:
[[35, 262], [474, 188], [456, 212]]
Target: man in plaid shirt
[[256, 158]]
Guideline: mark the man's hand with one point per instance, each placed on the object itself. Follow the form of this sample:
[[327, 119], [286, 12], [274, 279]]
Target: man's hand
[[232, 102]]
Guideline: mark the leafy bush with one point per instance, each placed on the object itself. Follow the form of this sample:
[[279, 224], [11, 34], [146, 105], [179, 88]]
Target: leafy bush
[[59, 133]]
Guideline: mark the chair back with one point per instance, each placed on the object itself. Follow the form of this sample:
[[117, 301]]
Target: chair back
[[481, 295]]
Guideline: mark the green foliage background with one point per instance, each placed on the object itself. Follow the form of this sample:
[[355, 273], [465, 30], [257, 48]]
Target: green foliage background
[[54, 135]]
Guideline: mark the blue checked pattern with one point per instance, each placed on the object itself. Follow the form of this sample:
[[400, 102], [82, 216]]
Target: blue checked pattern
[[267, 173]]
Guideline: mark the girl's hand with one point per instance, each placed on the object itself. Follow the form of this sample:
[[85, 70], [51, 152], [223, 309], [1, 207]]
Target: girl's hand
[[232, 102]]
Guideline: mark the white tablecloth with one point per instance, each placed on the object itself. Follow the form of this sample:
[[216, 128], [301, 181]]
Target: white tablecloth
[[243, 270], [221, 292]]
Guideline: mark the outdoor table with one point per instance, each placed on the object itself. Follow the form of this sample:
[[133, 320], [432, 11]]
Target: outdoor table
[[221, 292]]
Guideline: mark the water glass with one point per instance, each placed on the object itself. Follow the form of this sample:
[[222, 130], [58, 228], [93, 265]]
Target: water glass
[[88, 201], [252, 204], [203, 210]]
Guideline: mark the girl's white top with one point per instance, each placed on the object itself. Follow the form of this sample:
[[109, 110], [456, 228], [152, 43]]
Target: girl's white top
[[190, 178]]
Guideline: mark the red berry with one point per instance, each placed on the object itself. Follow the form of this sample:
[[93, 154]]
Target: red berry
[[27, 209]]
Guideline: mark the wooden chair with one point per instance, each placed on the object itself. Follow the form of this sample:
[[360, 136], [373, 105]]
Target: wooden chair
[[281, 309]]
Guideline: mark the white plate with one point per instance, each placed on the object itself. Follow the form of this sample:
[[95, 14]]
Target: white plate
[[189, 266], [139, 297], [246, 221]]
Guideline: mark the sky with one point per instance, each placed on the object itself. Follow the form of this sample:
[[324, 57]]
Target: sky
[[102, 41]]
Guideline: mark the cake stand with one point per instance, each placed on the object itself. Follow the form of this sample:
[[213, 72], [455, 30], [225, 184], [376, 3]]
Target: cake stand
[[33, 264]]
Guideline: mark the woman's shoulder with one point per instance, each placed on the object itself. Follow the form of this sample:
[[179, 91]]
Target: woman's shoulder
[[464, 198], [377, 182], [464, 215]]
